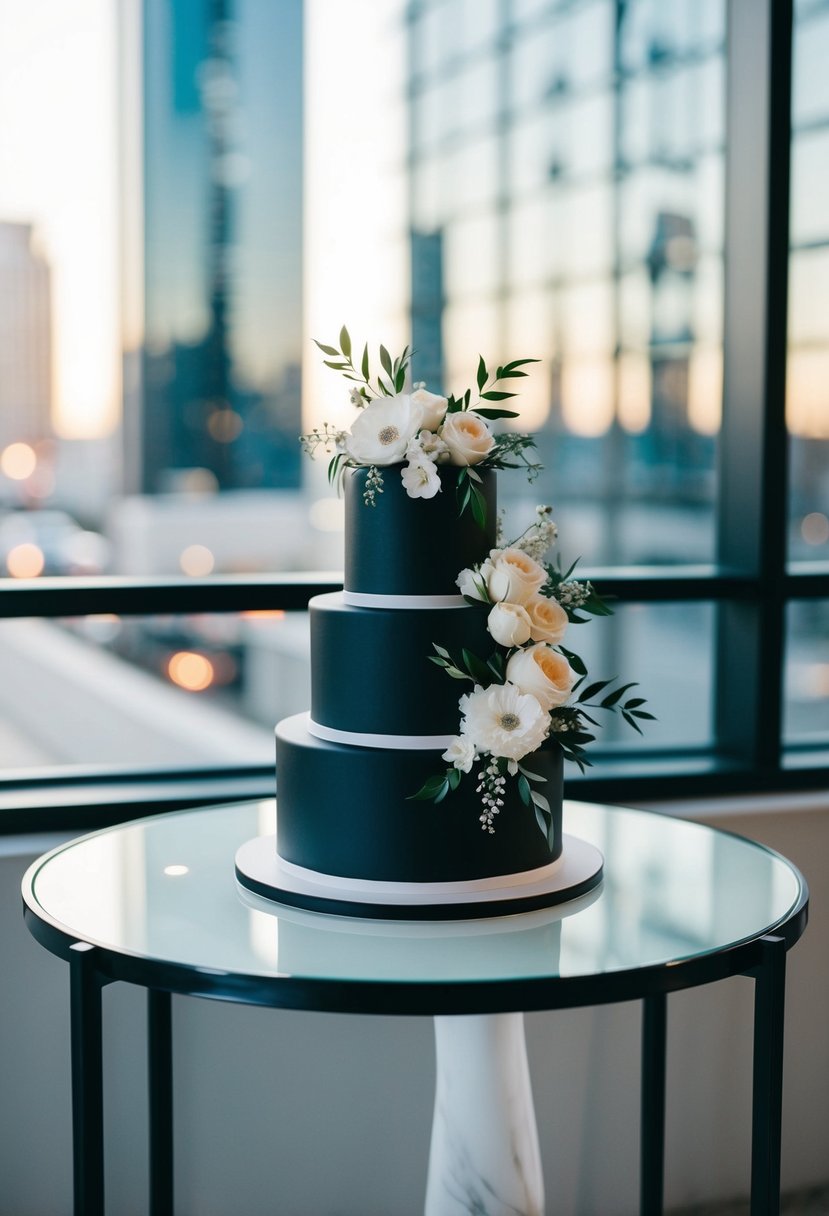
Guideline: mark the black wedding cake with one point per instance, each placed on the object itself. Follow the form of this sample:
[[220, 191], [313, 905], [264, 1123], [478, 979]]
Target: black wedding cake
[[382, 715]]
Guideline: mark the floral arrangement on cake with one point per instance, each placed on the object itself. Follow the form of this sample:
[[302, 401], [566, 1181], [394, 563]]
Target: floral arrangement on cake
[[421, 430], [531, 689]]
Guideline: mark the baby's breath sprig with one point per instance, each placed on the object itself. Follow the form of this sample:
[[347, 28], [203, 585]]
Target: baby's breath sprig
[[373, 486], [326, 438]]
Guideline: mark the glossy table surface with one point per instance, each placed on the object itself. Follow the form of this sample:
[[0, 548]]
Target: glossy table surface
[[680, 904]]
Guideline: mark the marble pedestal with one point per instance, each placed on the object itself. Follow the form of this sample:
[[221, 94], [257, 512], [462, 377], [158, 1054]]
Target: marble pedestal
[[484, 1157]]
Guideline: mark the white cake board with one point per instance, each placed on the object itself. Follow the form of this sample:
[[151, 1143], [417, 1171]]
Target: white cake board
[[260, 869]]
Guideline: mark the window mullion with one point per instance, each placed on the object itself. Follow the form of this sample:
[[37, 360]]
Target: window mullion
[[753, 448]]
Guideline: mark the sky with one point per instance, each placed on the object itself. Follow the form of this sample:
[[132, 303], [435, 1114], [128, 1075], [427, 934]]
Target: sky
[[58, 171]]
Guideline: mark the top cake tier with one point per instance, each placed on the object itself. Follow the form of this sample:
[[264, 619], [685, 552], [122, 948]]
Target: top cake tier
[[413, 546]]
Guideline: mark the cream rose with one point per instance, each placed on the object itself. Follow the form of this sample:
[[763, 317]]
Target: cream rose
[[548, 619], [433, 406], [514, 576], [467, 437], [509, 624], [542, 673], [381, 432]]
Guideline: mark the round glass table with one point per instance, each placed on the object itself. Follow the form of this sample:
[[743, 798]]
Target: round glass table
[[156, 903]]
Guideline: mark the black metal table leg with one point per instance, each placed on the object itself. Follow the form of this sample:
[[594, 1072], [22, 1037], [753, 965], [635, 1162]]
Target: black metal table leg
[[652, 1135], [767, 1100], [87, 1081], [160, 1069]]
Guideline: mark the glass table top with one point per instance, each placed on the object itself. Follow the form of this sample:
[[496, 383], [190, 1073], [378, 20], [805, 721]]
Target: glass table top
[[164, 889]]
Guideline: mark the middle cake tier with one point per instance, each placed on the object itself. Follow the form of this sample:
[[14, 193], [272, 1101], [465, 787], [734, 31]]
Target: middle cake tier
[[370, 667]]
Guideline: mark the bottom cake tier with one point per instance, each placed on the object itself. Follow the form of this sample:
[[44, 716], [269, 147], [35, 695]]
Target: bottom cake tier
[[346, 810]]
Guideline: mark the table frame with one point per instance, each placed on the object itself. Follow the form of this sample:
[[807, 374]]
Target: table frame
[[93, 966]]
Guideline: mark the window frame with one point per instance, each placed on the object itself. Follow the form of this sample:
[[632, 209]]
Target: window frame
[[751, 585]]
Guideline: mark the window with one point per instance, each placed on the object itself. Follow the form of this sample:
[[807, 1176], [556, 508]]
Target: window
[[576, 181]]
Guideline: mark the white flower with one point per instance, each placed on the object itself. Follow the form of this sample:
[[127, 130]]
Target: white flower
[[548, 619], [515, 576], [509, 624], [473, 582], [467, 437], [504, 721], [420, 477], [427, 443], [381, 433], [461, 752], [356, 397], [543, 673], [433, 406]]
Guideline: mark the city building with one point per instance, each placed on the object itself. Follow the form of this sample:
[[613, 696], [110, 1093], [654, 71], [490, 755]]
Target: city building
[[213, 387], [25, 338]]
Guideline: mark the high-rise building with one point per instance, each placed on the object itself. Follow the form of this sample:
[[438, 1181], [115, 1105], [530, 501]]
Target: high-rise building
[[221, 231], [25, 338]]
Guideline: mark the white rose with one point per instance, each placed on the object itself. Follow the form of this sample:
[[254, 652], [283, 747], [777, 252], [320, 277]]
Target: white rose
[[548, 619], [471, 583], [420, 478], [515, 576], [461, 752], [381, 432], [504, 721], [433, 406], [509, 624], [543, 673], [467, 437]]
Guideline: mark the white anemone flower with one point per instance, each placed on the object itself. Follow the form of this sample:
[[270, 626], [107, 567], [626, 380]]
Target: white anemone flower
[[382, 431], [504, 721]]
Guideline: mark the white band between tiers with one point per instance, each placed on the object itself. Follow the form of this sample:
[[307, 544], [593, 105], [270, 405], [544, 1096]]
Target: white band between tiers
[[360, 739], [364, 599]]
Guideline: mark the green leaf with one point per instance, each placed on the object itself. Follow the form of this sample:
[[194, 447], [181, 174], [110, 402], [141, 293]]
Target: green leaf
[[457, 674], [509, 367], [494, 395], [575, 662], [503, 374], [427, 791], [385, 361], [454, 777], [529, 775], [641, 713], [593, 689], [485, 413], [444, 653], [616, 695], [540, 801], [496, 668], [327, 350], [482, 373], [364, 363], [443, 791], [524, 790], [338, 367], [433, 658], [476, 667], [541, 820], [478, 507], [400, 380], [345, 342], [634, 702], [475, 476]]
